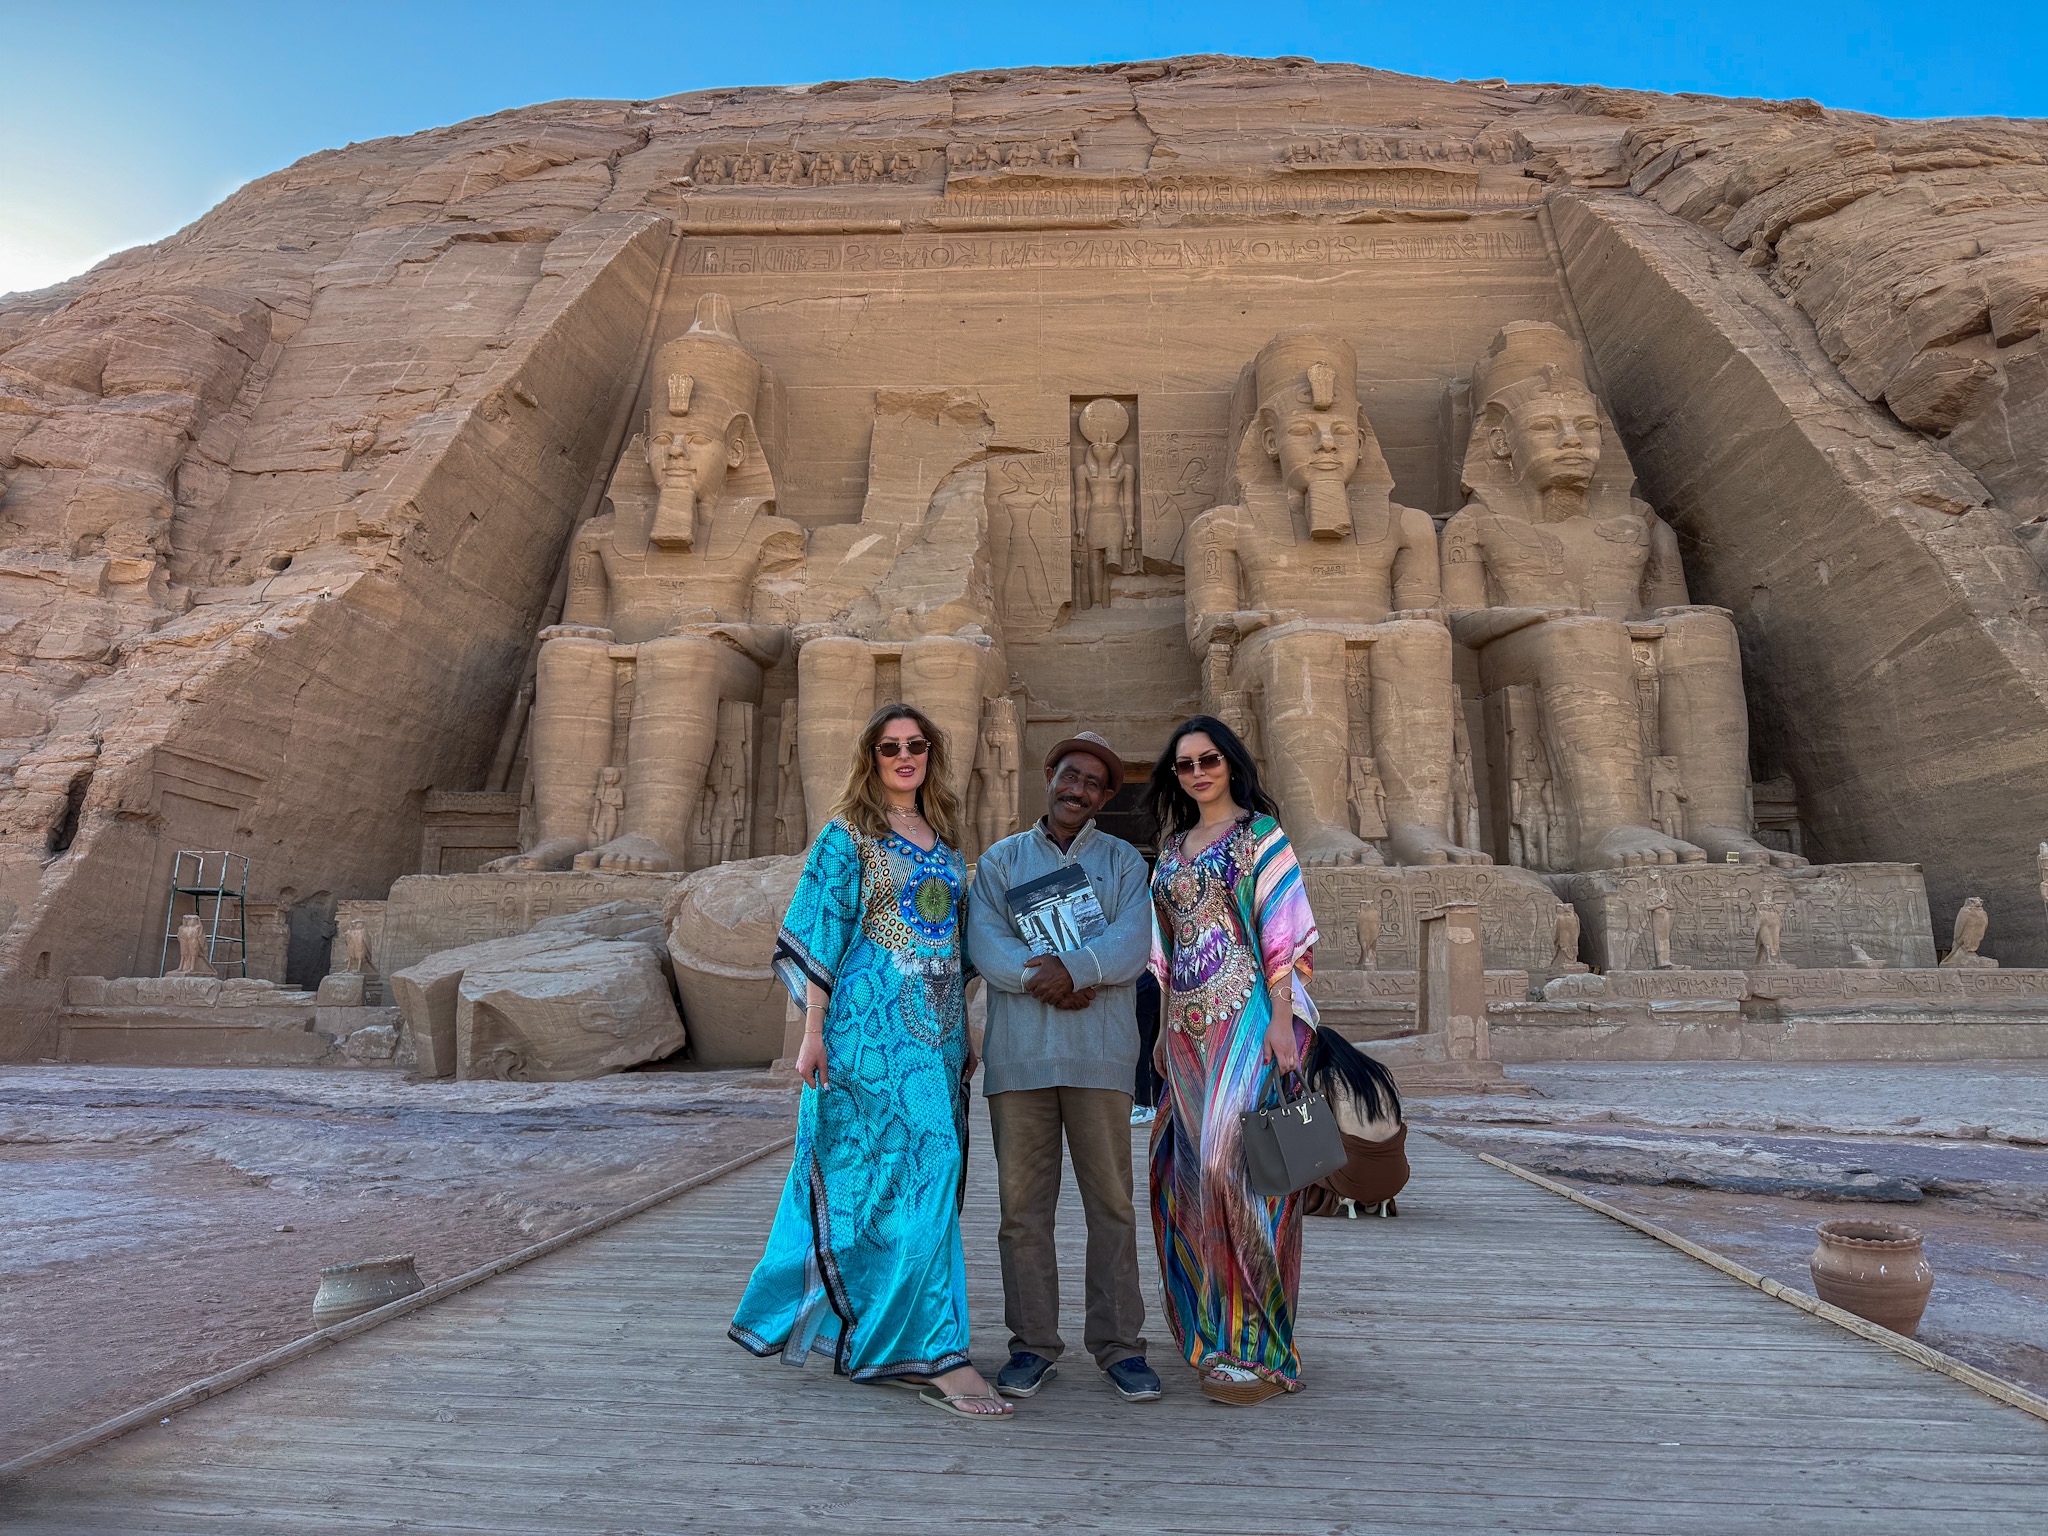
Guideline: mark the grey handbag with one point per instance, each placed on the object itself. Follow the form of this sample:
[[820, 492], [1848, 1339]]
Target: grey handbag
[[1289, 1145]]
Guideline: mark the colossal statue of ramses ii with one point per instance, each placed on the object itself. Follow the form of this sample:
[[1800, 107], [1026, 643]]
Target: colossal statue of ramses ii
[[664, 584], [1314, 610], [1618, 701]]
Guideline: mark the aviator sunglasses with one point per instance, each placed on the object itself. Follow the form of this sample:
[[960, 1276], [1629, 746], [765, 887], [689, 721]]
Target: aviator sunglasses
[[916, 746], [1208, 762]]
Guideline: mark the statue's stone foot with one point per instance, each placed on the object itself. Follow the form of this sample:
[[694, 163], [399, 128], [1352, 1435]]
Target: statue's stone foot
[[555, 853], [626, 855], [1720, 842], [1633, 847], [1327, 845], [1425, 845]]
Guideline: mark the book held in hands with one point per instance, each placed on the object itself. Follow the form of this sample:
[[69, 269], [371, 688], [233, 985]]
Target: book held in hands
[[1057, 913]]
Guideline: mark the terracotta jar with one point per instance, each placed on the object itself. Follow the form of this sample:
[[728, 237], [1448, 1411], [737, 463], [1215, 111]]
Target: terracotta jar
[[349, 1290], [1874, 1269]]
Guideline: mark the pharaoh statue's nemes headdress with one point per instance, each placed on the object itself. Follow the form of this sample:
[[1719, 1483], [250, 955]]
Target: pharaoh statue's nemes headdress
[[1528, 358], [705, 374], [1306, 367]]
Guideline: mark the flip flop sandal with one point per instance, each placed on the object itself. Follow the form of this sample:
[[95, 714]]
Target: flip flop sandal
[[945, 1404]]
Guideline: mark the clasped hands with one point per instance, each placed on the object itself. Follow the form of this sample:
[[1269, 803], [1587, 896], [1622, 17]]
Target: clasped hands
[[1046, 978]]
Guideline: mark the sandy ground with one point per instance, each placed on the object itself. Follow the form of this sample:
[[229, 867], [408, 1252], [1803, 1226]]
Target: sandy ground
[[1748, 1160], [164, 1224]]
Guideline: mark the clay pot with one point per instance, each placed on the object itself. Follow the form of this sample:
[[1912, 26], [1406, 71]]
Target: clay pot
[[350, 1290], [1874, 1269]]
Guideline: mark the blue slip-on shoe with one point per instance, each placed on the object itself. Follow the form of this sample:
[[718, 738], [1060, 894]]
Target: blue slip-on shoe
[[1026, 1373], [1134, 1380]]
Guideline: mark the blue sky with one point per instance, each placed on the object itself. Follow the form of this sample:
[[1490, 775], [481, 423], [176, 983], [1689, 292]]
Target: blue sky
[[120, 123]]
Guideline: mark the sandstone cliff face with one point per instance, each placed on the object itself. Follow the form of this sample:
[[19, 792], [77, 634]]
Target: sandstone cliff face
[[286, 494]]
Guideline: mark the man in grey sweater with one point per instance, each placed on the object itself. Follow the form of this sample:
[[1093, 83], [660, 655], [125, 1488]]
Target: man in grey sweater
[[1061, 1047]]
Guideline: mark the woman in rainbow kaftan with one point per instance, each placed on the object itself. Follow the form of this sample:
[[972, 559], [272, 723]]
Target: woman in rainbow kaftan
[[1233, 941]]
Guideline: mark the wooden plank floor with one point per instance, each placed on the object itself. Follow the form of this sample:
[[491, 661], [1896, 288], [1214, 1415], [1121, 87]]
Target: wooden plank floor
[[1496, 1359]]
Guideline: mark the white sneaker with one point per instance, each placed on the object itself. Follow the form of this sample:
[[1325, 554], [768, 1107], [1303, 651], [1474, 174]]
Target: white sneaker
[[1143, 1114]]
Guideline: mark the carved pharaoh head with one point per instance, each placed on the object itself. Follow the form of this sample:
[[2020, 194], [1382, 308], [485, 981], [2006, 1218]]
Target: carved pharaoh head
[[700, 428], [1310, 422], [1539, 416]]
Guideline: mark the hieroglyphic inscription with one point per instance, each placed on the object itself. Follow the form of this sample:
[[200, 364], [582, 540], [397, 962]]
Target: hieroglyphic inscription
[[1183, 475], [1029, 566], [1681, 986], [1858, 987], [739, 257], [1054, 195]]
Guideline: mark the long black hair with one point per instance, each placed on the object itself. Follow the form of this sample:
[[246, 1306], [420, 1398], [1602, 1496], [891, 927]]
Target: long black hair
[[1335, 1067], [1173, 808]]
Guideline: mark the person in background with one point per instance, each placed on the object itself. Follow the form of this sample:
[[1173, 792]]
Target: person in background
[[864, 1262], [1368, 1108], [1233, 942], [1061, 1038]]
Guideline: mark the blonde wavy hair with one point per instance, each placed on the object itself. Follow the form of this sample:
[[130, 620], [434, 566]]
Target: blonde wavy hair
[[861, 803]]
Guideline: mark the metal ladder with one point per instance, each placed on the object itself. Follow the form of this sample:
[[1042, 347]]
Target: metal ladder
[[228, 886]]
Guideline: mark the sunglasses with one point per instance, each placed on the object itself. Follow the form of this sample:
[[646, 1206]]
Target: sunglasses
[[1208, 762], [916, 746]]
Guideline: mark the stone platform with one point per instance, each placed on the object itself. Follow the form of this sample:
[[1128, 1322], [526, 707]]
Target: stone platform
[[193, 1020]]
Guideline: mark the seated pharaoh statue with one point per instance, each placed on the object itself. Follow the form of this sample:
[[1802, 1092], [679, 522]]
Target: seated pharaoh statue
[[665, 583], [1622, 734], [1314, 610]]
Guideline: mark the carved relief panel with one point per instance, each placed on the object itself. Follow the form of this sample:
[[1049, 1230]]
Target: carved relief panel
[[1183, 476], [1031, 561]]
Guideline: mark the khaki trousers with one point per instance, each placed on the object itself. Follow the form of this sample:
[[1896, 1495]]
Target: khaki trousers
[[1097, 1125]]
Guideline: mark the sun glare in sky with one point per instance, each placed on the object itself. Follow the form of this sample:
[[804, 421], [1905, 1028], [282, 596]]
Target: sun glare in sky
[[121, 123]]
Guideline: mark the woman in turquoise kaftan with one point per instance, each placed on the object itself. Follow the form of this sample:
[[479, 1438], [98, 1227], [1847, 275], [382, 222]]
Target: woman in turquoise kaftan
[[864, 1262]]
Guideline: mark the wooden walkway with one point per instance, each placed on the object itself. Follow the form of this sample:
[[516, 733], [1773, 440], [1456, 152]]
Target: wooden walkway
[[1496, 1359]]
